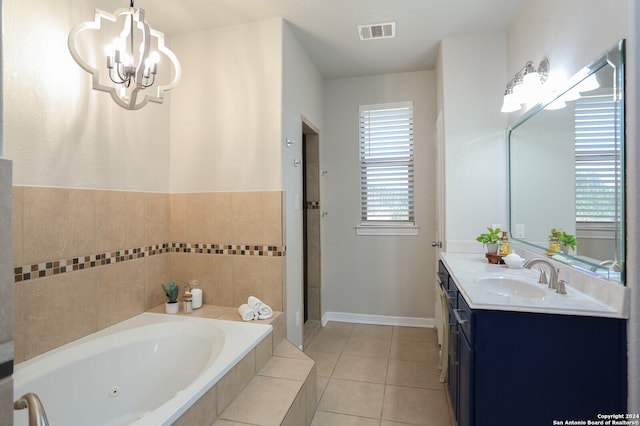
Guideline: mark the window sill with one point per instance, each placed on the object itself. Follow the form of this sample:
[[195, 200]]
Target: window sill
[[387, 229]]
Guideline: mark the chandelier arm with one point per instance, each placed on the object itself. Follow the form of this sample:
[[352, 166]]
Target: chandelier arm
[[153, 80], [121, 81], [131, 33], [124, 79]]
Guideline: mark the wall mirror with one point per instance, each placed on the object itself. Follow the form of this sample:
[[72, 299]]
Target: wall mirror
[[566, 170]]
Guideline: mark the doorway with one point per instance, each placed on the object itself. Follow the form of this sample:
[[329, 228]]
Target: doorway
[[311, 230]]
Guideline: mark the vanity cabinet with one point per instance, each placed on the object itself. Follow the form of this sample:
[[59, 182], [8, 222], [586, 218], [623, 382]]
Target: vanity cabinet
[[508, 367], [460, 363]]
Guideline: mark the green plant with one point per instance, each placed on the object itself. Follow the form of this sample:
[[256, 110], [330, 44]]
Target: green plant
[[172, 291], [567, 240], [492, 237]]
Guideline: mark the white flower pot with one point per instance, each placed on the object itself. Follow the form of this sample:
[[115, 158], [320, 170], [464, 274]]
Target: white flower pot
[[171, 308]]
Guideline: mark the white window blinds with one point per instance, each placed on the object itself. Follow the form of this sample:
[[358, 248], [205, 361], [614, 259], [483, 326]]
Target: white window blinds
[[597, 160], [386, 163]]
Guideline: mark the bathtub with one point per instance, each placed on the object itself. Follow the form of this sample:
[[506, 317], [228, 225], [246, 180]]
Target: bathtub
[[147, 370]]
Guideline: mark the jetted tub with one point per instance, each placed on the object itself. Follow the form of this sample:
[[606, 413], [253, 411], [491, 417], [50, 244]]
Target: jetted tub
[[147, 370]]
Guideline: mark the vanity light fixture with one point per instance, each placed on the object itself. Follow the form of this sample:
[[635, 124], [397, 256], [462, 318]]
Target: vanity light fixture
[[525, 85], [130, 64], [510, 102]]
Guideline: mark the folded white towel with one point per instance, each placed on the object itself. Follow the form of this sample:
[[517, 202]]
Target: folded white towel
[[247, 313], [264, 310]]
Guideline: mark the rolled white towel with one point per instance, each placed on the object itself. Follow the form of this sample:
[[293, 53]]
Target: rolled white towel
[[264, 310], [247, 313]]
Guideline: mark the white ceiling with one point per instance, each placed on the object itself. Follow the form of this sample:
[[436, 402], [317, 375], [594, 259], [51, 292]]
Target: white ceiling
[[327, 29]]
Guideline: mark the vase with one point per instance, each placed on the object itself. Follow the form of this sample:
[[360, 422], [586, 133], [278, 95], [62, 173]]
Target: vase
[[492, 248], [171, 307]]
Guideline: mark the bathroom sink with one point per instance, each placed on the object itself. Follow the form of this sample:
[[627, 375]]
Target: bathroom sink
[[513, 287]]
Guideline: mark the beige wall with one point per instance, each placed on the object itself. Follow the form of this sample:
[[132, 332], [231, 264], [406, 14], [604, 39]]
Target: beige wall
[[475, 193], [388, 276], [62, 225], [226, 113], [6, 295], [57, 130]]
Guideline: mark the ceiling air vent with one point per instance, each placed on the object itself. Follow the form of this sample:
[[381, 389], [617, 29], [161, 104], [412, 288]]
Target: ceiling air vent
[[377, 31]]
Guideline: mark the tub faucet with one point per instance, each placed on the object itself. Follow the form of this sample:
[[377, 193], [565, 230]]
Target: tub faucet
[[553, 273], [30, 401]]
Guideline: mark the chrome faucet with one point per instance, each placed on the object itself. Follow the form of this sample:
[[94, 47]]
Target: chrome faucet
[[30, 401], [553, 275], [610, 264]]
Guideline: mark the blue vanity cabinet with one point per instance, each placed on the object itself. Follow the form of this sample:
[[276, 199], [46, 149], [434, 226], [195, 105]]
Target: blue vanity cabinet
[[452, 377], [509, 367], [460, 372], [466, 363]]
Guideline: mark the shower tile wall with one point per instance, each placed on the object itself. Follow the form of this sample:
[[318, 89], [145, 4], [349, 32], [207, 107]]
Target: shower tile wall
[[6, 292], [86, 259], [312, 212]]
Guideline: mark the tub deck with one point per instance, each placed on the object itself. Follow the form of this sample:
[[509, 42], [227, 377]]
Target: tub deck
[[223, 313], [275, 384]]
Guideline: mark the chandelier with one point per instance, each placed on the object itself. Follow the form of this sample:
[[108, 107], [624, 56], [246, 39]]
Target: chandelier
[[129, 62]]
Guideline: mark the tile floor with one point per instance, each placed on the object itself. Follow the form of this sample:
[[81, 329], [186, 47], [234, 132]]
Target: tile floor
[[378, 375]]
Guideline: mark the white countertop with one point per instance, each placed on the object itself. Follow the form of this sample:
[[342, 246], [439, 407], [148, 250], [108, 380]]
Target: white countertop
[[598, 299]]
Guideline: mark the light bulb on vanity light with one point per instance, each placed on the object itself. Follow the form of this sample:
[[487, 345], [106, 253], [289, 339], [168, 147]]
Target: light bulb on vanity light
[[526, 86], [510, 102], [531, 79]]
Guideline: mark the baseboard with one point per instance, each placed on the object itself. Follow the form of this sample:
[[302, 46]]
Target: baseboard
[[378, 319]]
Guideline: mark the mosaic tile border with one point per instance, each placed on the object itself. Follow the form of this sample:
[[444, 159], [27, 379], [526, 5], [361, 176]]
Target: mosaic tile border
[[242, 250], [56, 267]]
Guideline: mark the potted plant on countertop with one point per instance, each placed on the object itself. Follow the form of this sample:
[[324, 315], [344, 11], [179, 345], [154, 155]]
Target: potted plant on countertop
[[490, 240], [172, 291]]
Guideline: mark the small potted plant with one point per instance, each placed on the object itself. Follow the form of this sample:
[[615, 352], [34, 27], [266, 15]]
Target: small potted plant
[[171, 290], [567, 241], [490, 240]]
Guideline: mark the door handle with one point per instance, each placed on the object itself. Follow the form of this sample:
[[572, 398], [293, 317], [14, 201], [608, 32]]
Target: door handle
[[436, 244]]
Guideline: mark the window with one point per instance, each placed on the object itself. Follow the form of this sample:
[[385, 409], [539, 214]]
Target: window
[[386, 167], [597, 160]]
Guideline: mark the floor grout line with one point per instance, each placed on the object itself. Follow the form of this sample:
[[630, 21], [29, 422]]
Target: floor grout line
[[394, 335]]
